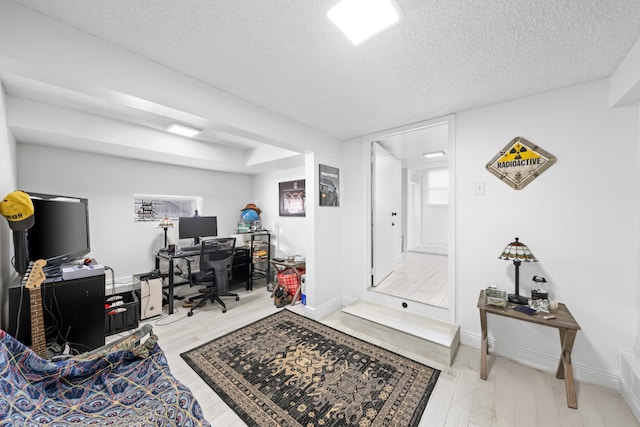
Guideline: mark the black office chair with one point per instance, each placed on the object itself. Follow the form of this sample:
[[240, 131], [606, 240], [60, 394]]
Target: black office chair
[[216, 259]]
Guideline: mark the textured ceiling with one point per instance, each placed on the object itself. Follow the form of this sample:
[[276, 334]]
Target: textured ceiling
[[443, 56]]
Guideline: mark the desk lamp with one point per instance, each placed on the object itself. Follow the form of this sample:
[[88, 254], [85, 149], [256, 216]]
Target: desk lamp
[[165, 223], [517, 252]]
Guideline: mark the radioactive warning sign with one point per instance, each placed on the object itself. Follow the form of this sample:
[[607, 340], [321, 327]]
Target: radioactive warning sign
[[520, 162]]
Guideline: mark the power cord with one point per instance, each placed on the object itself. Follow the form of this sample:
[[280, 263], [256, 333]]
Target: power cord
[[113, 279], [175, 310], [147, 297]]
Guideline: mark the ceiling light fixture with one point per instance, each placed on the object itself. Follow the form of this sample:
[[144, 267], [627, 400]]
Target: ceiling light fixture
[[361, 19], [183, 130], [434, 154]]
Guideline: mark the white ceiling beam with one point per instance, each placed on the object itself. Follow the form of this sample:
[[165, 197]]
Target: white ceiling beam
[[45, 48], [43, 124], [625, 81]]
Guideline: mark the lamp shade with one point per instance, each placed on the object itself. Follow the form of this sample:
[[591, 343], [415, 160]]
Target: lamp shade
[[165, 223], [517, 251]]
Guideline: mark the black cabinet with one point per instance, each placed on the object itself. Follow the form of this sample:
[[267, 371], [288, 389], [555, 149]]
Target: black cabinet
[[73, 312], [240, 269]]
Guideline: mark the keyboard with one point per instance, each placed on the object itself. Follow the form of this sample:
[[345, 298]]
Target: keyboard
[[194, 248], [52, 272]]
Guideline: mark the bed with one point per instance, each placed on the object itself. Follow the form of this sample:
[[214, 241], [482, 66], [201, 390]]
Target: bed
[[126, 383]]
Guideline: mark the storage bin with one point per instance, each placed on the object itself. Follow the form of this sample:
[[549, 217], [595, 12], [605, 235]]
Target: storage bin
[[288, 279], [122, 317]]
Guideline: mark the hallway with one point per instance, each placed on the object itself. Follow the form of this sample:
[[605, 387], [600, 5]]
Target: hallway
[[419, 277]]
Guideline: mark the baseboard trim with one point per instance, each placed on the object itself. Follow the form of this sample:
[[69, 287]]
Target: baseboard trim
[[544, 362], [435, 249], [317, 313]]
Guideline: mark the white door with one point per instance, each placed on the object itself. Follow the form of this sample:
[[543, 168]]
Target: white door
[[386, 183]]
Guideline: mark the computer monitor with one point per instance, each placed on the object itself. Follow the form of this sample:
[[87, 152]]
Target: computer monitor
[[195, 227], [60, 233]]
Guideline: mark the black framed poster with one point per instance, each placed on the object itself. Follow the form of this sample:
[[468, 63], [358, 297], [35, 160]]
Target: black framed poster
[[329, 186], [292, 198]]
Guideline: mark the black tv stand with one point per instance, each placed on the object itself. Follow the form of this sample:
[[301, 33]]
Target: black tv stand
[[73, 312]]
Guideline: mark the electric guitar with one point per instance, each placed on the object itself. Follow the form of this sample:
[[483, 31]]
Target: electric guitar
[[32, 282]]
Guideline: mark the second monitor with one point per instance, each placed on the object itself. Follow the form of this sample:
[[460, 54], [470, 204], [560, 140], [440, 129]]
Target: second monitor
[[195, 227]]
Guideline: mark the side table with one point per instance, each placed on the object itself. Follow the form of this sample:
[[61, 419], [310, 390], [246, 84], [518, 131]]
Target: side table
[[564, 322]]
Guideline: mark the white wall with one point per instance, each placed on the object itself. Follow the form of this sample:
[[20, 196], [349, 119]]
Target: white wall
[[355, 270], [435, 219], [324, 233], [579, 218], [413, 235], [630, 357], [8, 179], [575, 218], [110, 183], [288, 233]]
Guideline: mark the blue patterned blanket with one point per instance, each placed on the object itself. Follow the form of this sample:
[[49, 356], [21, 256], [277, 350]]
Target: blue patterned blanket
[[118, 388]]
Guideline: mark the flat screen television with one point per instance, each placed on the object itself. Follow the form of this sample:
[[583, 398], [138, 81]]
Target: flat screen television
[[60, 233], [195, 227]]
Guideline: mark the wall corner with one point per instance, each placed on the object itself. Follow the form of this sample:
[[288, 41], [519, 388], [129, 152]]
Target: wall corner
[[629, 380]]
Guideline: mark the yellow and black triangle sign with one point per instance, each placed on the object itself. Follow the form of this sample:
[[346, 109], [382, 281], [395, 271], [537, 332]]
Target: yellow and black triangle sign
[[520, 162]]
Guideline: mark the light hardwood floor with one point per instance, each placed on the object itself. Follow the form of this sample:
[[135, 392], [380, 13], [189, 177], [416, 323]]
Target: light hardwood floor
[[420, 277], [513, 395]]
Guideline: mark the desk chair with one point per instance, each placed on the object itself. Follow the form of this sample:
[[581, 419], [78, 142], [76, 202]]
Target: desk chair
[[216, 259]]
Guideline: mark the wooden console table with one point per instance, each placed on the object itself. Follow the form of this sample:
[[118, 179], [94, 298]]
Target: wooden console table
[[564, 322]]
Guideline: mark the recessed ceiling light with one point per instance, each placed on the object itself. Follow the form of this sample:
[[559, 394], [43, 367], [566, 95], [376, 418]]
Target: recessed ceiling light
[[434, 154], [183, 130], [361, 19]]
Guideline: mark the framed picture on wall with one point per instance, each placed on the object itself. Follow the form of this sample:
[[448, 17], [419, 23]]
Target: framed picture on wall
[[329, 186], [153, 207], [292, 198]]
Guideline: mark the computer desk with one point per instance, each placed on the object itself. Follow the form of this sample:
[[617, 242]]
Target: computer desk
[[171, 258]]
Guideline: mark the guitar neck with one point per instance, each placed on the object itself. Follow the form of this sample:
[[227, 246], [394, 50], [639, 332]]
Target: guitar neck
[[38, 339], [32, 282]]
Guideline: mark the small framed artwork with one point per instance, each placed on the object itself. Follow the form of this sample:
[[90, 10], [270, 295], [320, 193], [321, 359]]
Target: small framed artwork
[[153, 207], [292, 198], [329, 186]]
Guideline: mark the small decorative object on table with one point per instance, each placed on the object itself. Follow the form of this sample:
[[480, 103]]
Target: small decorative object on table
[[539, 305], [539, 288], [250, 213], [249, 218], [495, 296]]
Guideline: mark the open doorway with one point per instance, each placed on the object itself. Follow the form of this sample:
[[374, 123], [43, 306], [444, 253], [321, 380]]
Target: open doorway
[[422, 267]]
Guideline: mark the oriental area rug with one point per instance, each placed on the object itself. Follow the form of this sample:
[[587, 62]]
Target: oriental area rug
[[288, 370]]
